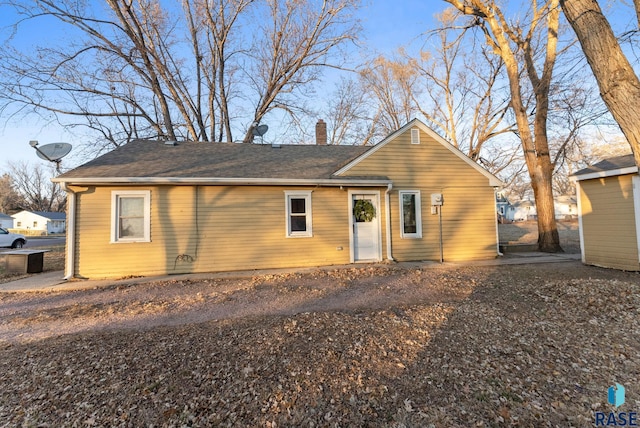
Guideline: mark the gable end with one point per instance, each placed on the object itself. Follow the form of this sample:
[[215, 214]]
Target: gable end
[[417, 124]]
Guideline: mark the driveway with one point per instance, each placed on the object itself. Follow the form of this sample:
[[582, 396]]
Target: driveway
[[45, 241], [40, 242]]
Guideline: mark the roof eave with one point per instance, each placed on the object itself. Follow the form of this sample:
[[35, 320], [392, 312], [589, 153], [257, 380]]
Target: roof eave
[[605, 173], [219, 181]]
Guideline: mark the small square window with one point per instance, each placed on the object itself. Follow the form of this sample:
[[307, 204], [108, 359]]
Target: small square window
[[131, 212], [298, 211]]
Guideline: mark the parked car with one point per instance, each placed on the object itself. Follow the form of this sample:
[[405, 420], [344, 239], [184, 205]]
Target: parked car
[[13, 240]]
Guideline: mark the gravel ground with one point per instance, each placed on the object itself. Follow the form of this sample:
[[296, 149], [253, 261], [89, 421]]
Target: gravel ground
[[526, 345]]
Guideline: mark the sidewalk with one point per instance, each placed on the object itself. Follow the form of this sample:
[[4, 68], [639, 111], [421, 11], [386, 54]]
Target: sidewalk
[[54, 281]]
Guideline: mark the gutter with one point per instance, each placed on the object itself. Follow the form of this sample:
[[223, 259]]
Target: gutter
[[603, 174], [223, 181], [580, 226], [387, 203], [497, 229], [69, 266]]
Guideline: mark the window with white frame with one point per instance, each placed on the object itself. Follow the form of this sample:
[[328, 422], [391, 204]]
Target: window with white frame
[[298, 209], [131, 216], [410, 214]]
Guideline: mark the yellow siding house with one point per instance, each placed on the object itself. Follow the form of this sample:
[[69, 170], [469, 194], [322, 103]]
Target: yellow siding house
[[152, 207], [609, 213]]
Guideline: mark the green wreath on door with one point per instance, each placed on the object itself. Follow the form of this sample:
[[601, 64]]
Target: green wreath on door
[[363, 210]]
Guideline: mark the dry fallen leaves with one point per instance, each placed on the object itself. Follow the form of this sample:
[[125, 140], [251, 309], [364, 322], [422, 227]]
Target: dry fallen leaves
[[381, 346]]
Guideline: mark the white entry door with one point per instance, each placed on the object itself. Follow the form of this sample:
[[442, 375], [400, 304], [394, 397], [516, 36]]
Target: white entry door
[[366, 227]]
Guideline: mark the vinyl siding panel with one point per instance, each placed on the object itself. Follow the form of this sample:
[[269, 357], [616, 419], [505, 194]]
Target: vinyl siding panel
[[608, 222], [210, 228], [468, 215], [171, 234], [245, 228], [225, 228]]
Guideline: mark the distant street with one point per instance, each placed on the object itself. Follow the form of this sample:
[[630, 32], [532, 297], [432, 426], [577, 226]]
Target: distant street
[[44, 242]]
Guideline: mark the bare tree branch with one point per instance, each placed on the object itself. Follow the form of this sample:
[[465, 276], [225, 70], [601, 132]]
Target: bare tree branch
[[512, 43], [133, 69]]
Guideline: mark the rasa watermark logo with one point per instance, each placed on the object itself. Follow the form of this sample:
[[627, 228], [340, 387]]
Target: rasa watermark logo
[[616, 419]]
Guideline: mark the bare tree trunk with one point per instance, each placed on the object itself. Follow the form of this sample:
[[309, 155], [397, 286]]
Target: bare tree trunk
[[134, 29], [619, 85], [548, 237], [513, 43]]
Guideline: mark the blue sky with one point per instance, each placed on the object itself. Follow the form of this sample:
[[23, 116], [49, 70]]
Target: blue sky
[[387, 26]]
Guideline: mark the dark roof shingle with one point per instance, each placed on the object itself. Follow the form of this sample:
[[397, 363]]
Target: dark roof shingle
[[617, 162], [143, 158], [51, 215]]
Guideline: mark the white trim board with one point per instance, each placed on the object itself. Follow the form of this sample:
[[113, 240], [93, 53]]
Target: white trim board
[[636, 208], [603, 174], [137, 181]]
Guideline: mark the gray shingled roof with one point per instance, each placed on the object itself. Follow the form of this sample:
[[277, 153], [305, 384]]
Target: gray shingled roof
[[143, 158], [51, 215], [617, 162]]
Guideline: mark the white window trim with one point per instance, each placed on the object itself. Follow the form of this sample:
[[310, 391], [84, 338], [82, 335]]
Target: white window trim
[[299, 194], [418, 233], [115, 196]]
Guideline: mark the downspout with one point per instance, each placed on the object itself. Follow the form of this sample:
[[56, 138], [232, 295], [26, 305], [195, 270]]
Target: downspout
[[580, 227], [497, 227], [69, 268], [387, 203]]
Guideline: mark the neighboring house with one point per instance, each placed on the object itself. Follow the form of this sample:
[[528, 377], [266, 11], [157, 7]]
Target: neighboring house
[[150, 208], [46, 222], [566, 207], [609, 213], [502, 205], [522, 211], [6, 221]]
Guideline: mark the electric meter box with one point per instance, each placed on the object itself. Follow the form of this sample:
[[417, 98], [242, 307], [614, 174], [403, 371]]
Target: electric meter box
[[437, 199]]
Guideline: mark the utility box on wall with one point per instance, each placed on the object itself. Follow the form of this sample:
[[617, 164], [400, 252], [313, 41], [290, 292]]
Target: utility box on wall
[[437, 199]]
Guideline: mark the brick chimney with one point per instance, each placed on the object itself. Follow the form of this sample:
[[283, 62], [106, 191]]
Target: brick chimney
[[321, 133]]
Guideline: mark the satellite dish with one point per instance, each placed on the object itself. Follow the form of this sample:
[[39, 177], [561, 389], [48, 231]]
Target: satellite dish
[[53, 152], [259, 131]]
